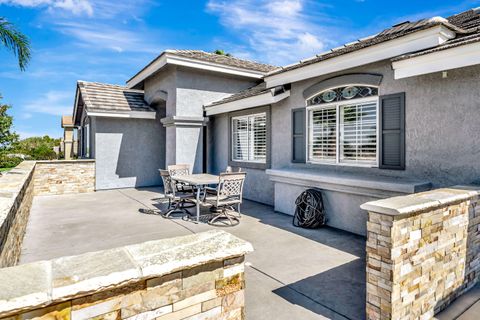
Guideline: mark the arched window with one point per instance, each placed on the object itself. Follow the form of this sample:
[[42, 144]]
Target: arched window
[[342, 126]]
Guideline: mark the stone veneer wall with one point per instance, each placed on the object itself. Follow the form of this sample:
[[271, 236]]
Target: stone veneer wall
[[198, 276], [29, 178], [64, 176], [16, 194], [423, 251]]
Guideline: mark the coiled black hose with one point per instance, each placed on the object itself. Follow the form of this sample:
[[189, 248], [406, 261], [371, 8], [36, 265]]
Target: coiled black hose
[[309, 212]]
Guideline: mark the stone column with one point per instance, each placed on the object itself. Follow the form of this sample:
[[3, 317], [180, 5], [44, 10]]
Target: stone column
[[422, 252], [184, 141]]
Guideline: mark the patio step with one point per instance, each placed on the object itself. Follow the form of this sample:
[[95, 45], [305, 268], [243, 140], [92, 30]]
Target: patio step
[[466, 307]]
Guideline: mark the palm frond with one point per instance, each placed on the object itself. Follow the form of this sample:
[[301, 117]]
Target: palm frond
[[16, 42]]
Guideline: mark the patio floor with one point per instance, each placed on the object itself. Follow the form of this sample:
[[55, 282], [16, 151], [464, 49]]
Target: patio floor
[[292, 274]]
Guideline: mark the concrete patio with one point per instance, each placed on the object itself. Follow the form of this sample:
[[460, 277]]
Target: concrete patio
[[293, 273]]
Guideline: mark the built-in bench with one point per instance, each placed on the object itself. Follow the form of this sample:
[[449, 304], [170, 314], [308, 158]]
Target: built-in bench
[[343, 192]]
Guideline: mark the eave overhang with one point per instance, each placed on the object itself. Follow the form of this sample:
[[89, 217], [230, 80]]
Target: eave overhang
[[263, 99], [417, 41], [172, 59], [452, 58]]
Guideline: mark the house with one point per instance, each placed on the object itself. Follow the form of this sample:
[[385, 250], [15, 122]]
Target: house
[[390, 114]]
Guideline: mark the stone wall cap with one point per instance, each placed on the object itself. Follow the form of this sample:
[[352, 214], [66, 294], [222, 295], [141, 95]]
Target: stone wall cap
[[65, 161], [43, 283], [419, 202]]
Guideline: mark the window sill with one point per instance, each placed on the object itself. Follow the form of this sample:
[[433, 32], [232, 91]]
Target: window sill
[[249, 165], [371, 185]]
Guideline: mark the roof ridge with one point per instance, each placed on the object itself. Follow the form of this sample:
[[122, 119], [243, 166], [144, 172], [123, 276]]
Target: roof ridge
[[220, 55]]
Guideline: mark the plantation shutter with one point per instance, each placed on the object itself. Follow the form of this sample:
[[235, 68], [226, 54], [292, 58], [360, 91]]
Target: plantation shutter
[[298, 135], [392, 131]]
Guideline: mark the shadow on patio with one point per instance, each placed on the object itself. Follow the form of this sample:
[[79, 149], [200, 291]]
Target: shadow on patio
[[293, 273]]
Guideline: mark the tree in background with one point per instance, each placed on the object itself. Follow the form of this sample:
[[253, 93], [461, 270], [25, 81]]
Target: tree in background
[[7, 136], [15, 41], [222, 53], [37, 148]]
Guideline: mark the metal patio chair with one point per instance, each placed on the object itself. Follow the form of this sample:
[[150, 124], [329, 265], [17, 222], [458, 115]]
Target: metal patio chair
[[177, 201], [229, 194], [180, 170]]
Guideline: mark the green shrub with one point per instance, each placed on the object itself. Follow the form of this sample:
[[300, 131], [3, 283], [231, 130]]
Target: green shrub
[[8, 161]]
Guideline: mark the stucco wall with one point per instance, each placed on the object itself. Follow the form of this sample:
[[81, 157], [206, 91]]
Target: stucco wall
[[128, 152], [442, 136], [257, 184], [188, 90]]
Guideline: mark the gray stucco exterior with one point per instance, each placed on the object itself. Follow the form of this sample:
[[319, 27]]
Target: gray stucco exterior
[[442, 146], [128, 152]]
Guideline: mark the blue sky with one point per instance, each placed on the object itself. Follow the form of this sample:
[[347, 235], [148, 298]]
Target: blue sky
[[108, 40]]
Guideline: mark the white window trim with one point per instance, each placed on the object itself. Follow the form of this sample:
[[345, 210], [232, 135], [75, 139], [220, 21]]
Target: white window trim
[[338, 105], [247, 116]]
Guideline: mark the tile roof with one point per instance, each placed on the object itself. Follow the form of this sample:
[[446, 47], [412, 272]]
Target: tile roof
[[222, 59], [463, 23], [250, 92], [109, 97], [213, 58]]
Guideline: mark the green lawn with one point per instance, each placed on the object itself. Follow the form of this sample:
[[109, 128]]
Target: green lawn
[[5, 169]]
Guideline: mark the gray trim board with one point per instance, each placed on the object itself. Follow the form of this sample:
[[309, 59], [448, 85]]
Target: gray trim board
[[245, 164], [343, 80]]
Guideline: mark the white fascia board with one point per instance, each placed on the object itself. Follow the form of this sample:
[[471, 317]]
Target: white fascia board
[[420, 40], [457, 57], [77, 93], [156, 65], [168, 58], [246, 103], [129, 114]]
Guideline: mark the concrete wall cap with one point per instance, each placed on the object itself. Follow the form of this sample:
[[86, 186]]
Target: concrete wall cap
[[43, 283], [419, 202], [400, 185]]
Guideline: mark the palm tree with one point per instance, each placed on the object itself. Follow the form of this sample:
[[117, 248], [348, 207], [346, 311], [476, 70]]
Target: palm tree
[[15, 41]]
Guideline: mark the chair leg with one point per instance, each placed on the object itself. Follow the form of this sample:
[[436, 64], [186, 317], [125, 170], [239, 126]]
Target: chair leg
[[238, 210], [233, 221]]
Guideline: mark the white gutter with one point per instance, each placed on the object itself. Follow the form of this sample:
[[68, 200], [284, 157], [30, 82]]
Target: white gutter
[[456, 57], [420, 40], [169, 58], [127, 114], [246, 103]]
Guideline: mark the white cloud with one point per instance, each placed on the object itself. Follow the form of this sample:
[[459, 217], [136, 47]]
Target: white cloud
[[102, 36], [76, 7], [279, 32], [55, 103]]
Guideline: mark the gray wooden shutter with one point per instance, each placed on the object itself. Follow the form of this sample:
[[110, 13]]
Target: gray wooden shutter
[[298, 135], [392, 131]]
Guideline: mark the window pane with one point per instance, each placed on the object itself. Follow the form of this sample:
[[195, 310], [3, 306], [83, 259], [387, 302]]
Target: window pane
[[240, 139], [323, 134], [259, 128], [358, 133], [249, 138]]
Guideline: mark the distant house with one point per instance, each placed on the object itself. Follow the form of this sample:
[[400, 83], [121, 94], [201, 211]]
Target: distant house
[[390, 114]]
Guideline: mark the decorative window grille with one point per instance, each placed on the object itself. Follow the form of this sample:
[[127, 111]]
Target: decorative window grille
[[342, 94], [249, 138], [345, 129]]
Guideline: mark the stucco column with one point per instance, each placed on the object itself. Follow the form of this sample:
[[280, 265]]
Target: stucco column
[[67, 125], [184, 141]]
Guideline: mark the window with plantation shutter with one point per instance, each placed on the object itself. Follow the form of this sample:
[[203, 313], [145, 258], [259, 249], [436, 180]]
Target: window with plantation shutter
[[342, 126], [323, 134], [249, 138]]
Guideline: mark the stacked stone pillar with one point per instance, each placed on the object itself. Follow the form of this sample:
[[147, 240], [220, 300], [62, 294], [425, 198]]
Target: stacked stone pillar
[[423, 251]]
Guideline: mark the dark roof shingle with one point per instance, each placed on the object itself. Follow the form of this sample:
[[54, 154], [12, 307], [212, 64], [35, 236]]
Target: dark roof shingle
[[250, 92]]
